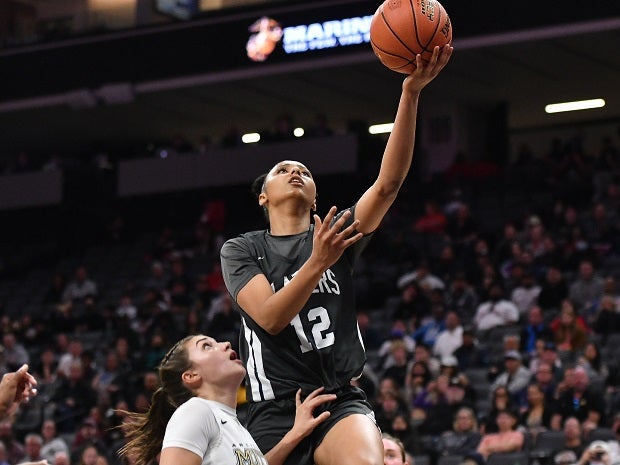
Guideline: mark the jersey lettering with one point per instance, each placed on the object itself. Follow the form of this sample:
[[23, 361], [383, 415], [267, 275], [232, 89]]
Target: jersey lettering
[[327, 284], [321, 340], [248, 457]]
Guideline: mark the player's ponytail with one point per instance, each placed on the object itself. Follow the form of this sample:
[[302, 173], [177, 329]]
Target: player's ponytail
[[144, 432]]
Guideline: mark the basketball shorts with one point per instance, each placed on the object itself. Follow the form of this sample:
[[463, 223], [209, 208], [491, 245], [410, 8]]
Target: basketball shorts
[[270, 420]]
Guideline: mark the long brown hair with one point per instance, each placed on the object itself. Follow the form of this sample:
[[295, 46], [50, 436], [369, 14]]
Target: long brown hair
[[144, 432]]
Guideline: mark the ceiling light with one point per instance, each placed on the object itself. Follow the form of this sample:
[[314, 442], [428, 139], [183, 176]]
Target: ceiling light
[[250, 137], [381, 128], [298, 132], [574, 106]]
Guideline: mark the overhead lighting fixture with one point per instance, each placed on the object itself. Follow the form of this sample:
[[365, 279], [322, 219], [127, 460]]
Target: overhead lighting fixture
[[574, 106], [298, 132], [250, 138], [381, 128]]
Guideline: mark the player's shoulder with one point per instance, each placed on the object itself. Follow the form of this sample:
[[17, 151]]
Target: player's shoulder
[[244, 240]]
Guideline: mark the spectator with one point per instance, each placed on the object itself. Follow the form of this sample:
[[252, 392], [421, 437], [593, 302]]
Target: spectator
[[158, 279], [412, 305], [587, 288], [72, 355], [544, 379], [607, 320], [447, 266], [554, 289], [15, 451], [462, 227], [423, 353], [515, 377], [398, 369], [417, 379], [73, 399], [87, 456], [127, 309], [431, 327], [440, 414], [422, 275], [463, 438], [500, 401], [592, 361], [87, 437], [462, 298], [45, 370], [32, 447], [401, 429], [80, 287], [433, 221], [525, 294], [533, 330], [538, 412], [450, 338], [397, 333], [581, 401], [573, 441], [569, 330], [52, 442], [389, 404], [497, 311], [14, 353], [507, 438], [109, 381], [469, 354]]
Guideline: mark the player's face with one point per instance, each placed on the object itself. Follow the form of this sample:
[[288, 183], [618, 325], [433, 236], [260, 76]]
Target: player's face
[[392, 454], [288, 179], [214, 361]]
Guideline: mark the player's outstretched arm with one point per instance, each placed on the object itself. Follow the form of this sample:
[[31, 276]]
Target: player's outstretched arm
[[375, 202]]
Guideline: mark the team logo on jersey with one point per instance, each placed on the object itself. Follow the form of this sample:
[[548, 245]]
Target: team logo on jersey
[[327, 284]]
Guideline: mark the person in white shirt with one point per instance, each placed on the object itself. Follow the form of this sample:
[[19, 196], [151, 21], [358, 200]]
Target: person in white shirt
[[192, 419], [450, 338], [526, 293], [497, 311]]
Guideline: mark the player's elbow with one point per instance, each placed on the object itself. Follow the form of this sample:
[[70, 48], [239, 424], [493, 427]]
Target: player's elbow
[[388, 190]]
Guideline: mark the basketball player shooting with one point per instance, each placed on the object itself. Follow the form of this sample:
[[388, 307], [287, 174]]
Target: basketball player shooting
[[293, 285]]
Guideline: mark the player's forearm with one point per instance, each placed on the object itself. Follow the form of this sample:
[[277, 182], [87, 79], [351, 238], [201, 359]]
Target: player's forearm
[[280, 452], [399, 148], [283, 305]]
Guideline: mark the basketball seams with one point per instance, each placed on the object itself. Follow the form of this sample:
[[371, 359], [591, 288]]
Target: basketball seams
[[415, 23], [394, 33]]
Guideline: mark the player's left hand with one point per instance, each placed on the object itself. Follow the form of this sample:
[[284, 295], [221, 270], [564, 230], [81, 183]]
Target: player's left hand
[[305, 421]]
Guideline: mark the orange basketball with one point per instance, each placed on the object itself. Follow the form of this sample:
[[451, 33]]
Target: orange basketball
[[400, 29]]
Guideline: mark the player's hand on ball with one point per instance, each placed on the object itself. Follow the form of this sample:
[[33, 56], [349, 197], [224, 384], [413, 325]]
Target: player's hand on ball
[[424, 74]]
